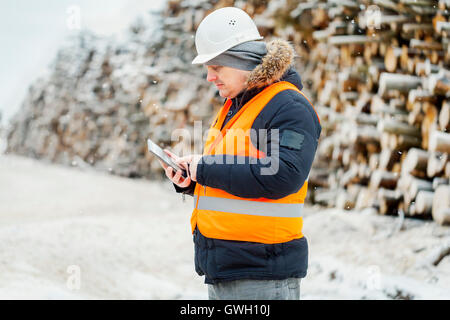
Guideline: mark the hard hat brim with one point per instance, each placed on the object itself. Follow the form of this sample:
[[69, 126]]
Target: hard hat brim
[[203, 58]]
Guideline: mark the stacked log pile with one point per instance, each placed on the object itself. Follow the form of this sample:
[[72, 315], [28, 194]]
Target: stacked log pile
[[379, 73], [376, 70], [103, 98]]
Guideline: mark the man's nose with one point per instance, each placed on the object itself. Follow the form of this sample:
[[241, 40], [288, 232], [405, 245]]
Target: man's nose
[[211, 76]]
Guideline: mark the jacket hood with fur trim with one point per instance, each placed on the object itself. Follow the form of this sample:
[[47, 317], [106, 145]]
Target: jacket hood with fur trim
[[275, 65]]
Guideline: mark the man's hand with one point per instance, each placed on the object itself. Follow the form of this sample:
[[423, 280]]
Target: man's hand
[[192, 160], [176, 177]]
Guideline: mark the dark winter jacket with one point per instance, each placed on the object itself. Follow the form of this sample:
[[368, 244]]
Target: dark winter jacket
[[299, 131]]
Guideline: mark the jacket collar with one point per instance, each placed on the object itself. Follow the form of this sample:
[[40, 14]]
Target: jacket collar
[[291, 75], [276, 66]]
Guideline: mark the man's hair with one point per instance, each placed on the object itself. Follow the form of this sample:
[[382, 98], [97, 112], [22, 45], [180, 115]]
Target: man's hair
[[245, 56]]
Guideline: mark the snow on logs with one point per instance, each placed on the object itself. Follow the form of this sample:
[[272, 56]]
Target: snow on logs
[[383, 92]]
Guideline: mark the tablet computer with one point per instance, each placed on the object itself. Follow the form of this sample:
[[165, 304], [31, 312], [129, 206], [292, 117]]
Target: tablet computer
[[157, 151]]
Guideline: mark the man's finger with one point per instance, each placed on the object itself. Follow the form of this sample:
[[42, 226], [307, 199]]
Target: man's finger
[[163, 164], [186, 182], [186, 159], [169, 172], [183, 165], [170, 154], [177, 176]]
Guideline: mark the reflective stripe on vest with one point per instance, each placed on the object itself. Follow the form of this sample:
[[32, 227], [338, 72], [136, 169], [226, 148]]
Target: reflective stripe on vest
[[255, 208]]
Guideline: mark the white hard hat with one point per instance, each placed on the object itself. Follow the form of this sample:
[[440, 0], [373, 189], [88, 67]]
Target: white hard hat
[[222, 30]]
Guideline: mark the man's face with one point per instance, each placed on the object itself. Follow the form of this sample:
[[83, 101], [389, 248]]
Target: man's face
[[229, 81]]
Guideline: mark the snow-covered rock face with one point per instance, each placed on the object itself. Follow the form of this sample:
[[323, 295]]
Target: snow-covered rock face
[[103, 97]]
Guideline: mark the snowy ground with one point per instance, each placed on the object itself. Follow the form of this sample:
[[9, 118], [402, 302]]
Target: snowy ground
[[71, 234]]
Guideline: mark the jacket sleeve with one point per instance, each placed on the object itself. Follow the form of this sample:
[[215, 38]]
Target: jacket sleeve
[[189, 190], [292, 138]]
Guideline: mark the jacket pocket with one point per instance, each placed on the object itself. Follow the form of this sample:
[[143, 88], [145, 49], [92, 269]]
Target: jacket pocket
[[237, 256]]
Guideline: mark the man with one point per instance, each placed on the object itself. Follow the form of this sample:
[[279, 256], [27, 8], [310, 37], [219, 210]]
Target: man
[[248, 197]]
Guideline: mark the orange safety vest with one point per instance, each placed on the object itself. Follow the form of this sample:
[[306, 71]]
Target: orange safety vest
[[221, 215]]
